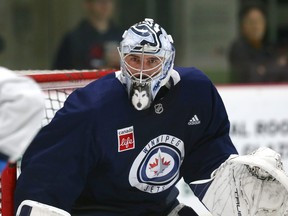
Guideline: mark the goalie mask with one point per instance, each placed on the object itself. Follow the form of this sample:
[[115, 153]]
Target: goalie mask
[[147, 57]]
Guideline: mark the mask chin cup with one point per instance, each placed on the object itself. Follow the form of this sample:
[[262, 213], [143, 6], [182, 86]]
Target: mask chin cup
[[140, 95]]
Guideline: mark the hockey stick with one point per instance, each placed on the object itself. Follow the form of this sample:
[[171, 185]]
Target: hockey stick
[[198, 207], [200, 211], [196, 204], [32, 208]]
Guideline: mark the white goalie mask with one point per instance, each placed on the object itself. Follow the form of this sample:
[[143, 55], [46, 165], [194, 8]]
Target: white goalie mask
[[147, 57]]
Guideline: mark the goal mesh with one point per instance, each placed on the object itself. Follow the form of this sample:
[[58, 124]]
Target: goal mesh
[[54, 100], [57, 86]]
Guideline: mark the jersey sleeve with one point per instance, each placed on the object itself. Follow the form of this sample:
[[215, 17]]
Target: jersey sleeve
[[58, 161], [213, 148], [21, 113]]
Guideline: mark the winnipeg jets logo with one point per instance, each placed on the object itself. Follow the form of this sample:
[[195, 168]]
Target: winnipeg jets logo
[[157, 166]]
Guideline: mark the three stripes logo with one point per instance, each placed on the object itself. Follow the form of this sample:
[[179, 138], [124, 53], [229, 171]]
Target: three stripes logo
[[194, 120]]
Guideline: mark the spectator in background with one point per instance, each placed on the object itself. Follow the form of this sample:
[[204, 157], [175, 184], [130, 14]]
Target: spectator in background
[[251, 57], [2, 44], [93, 44]]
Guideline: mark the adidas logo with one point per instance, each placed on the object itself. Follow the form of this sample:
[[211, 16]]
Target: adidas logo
[[194, 120]]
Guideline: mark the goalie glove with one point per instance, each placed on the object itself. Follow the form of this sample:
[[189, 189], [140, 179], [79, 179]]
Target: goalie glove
[[249, 185], [32, 208]]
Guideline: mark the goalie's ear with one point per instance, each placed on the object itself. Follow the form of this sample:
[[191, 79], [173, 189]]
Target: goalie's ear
[[33, 208]]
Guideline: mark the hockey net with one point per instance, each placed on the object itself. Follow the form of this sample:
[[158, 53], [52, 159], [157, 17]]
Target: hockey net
[[57, 85]]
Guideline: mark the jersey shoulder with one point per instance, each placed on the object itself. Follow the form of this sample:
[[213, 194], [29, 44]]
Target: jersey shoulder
[[195, 87], [192, 77], [105, 85], [97, 93]]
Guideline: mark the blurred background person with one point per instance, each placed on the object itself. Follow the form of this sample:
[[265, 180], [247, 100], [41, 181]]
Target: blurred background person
[[93, 43], [2, 44], [21, 113], [251, 57]]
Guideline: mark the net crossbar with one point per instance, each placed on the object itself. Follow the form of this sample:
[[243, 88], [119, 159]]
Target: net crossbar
[[57, 86]]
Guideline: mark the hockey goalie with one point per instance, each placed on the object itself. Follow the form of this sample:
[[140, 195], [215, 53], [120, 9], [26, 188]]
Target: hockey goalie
[[119, 145]]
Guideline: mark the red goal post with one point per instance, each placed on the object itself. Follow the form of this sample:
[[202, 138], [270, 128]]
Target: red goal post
[[57, 85]]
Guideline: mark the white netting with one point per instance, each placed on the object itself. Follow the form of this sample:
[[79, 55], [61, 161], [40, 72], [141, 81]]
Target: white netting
[[54, 100]]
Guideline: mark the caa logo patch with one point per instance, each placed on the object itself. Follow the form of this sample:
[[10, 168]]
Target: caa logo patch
[[157, 166], [126, 139]]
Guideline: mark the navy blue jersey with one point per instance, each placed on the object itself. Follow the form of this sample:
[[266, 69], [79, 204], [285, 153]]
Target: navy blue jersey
[[100, 153]]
